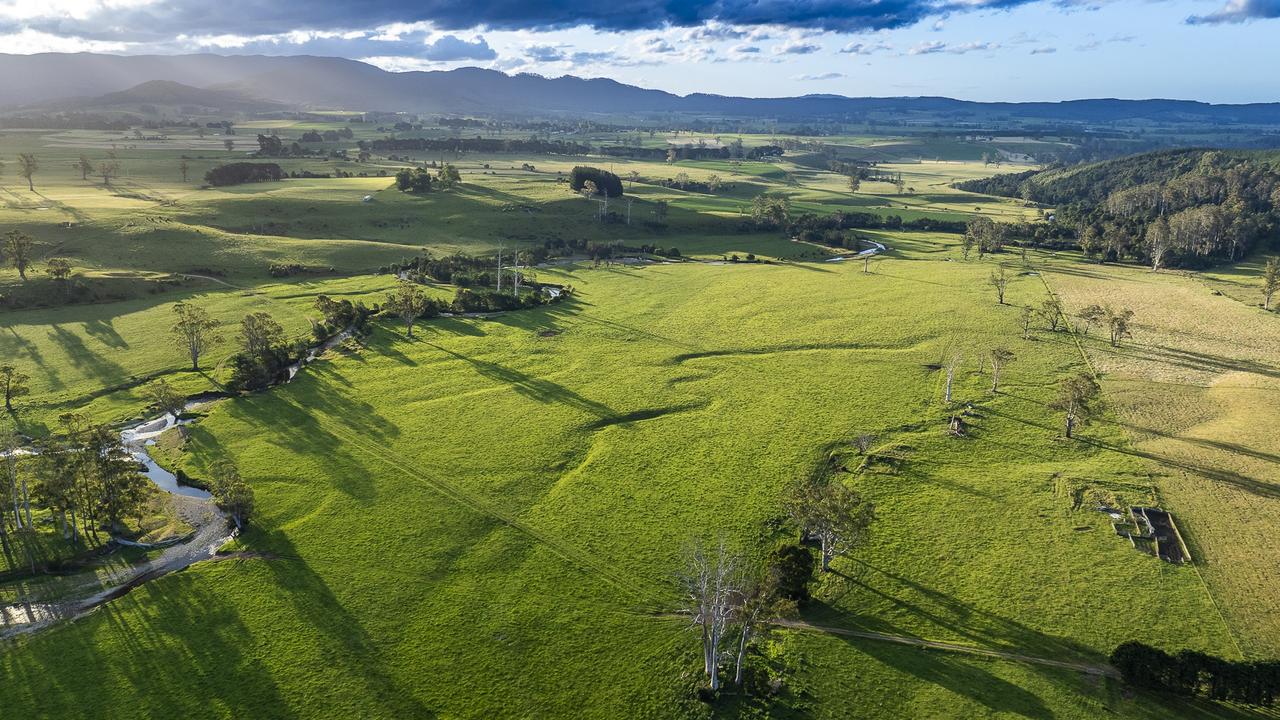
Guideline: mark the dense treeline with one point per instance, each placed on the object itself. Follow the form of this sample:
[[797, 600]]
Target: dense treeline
[[243, 172], [477, 144], [686, 152], [1185, 207], [1195, 674], [807, 224]]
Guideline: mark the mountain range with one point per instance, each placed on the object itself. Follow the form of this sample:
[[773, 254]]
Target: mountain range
[[257, 83]]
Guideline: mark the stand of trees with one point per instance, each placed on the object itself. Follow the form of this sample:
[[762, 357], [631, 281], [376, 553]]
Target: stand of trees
[[727, 152], [243, 172], [1172, 208], [1195, 674], [265, 355], [606, 183], [476, 144]]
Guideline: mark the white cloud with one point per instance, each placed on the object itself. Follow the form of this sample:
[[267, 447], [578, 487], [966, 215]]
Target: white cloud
[[937, 46], [28, 41]]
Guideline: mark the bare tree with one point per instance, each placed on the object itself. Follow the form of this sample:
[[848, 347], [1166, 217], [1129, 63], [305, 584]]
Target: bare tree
[[10, 447], [13, 383], [952, 364], [27, 168], [1027, 315], [712, 588], [1000, 357], [501, 247], [184, 167], [1159, 242], [837, 517], [194, 331], [1075, 399], [999, 280], [85, 166]]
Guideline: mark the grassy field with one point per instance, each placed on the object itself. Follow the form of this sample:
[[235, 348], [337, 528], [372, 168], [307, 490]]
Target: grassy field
[[1196, 390], [485, 521]]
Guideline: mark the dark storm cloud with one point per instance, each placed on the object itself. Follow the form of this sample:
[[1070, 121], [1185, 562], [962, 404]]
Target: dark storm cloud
[[252, 17], [1237, 11]]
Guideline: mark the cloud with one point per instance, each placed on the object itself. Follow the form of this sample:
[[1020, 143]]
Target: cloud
[[416, 45], [551, 54], [744, 50], [451, 47], [1238, 11], [1099, 42], [796, 47], [159, 20], [858, 48], [937, 46], [819, 76], [1044, 50]]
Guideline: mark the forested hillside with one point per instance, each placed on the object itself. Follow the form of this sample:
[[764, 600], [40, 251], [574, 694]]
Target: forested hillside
[[1184, 207]]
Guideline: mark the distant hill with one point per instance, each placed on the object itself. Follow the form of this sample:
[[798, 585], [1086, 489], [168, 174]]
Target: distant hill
[[167, 93], [336, 83]]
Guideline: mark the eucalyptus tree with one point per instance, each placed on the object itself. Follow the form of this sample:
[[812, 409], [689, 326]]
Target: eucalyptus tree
[[837, 517], [1076, 397], [194, 331], [712, 587], [13, 383]]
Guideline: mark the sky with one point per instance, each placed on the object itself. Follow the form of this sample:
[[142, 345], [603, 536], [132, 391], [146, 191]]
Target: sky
[[995, 50]]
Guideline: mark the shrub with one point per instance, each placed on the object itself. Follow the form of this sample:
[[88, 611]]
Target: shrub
[[791, 571]]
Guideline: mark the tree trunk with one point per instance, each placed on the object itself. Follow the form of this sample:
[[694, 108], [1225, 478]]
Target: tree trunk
[[742, 654], [26, 502], [1071, 421]]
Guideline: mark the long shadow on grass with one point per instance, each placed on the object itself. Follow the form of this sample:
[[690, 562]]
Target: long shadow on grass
[[959, 675], [539, 389], [26, 346], [293, 424], [348, 643], [82, 357], [960, 619], [172, 648], [1244, 482]]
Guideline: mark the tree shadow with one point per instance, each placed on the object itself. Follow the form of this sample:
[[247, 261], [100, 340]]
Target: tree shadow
[[105, 333], [540, 389], [82, 357]]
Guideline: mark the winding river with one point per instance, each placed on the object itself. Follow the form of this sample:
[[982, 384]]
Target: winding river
[[210, 526]]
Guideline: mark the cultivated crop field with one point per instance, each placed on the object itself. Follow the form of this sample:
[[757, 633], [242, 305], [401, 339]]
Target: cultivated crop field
[[486, 519]]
